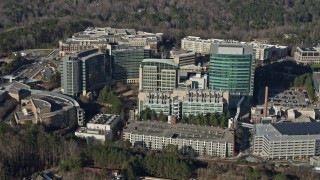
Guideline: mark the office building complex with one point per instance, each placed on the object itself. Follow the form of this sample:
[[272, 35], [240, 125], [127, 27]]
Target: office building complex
[[287, 140], [125, 62], [307, 55], [101, 37], [158, 74], [201, 140], [82, 72], [232, 68], [184, 101], [262, 51], [100, 127]]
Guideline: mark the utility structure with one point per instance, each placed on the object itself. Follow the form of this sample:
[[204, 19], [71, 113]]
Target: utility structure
[[265, 110]]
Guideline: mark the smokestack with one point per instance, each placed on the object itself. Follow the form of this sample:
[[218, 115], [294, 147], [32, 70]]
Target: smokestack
[[265, 110]]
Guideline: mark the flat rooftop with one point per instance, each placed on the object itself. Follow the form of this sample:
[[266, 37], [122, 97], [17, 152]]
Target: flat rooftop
[[39, 103], [181, 131], [299, 128], [105, 119], [56, 103], [308, 49], [288, 131]]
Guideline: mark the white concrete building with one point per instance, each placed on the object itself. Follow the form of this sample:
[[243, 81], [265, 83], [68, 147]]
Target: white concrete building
[[202, 140], [287, 140], [307, 55], [196, 44], [100, 127]]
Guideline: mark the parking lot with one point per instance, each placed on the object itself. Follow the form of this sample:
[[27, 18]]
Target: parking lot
[[289, 98]]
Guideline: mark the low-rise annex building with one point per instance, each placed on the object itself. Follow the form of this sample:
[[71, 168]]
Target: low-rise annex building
[[101, 127], [307, 55]]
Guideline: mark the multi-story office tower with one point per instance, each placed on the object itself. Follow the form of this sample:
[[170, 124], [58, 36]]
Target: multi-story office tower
[[307, 55], [82, 72], [158, 74], [232, 68], [125, 62], [287, 140], [202, 140]]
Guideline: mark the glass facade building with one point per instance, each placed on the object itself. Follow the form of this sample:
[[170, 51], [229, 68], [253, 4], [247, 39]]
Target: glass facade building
[[232, 68], [125, 63], [82, 72]]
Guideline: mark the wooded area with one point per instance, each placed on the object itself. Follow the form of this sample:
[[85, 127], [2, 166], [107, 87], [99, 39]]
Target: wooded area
[[28, 149], [305, 80], [110, 99], [41, 23]]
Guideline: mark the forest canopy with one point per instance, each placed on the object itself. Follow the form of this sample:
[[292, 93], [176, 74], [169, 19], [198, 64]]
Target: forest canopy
[[41, 23]]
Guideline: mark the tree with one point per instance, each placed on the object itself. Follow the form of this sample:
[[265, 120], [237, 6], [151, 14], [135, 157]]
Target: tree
[[214, 119], [162, 117], [107, 95], [153, 115], [103, 94], [280, 177], [224, 120], [172, 150], [133, 168], [146, 114], [56, 77], [184, 119]]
